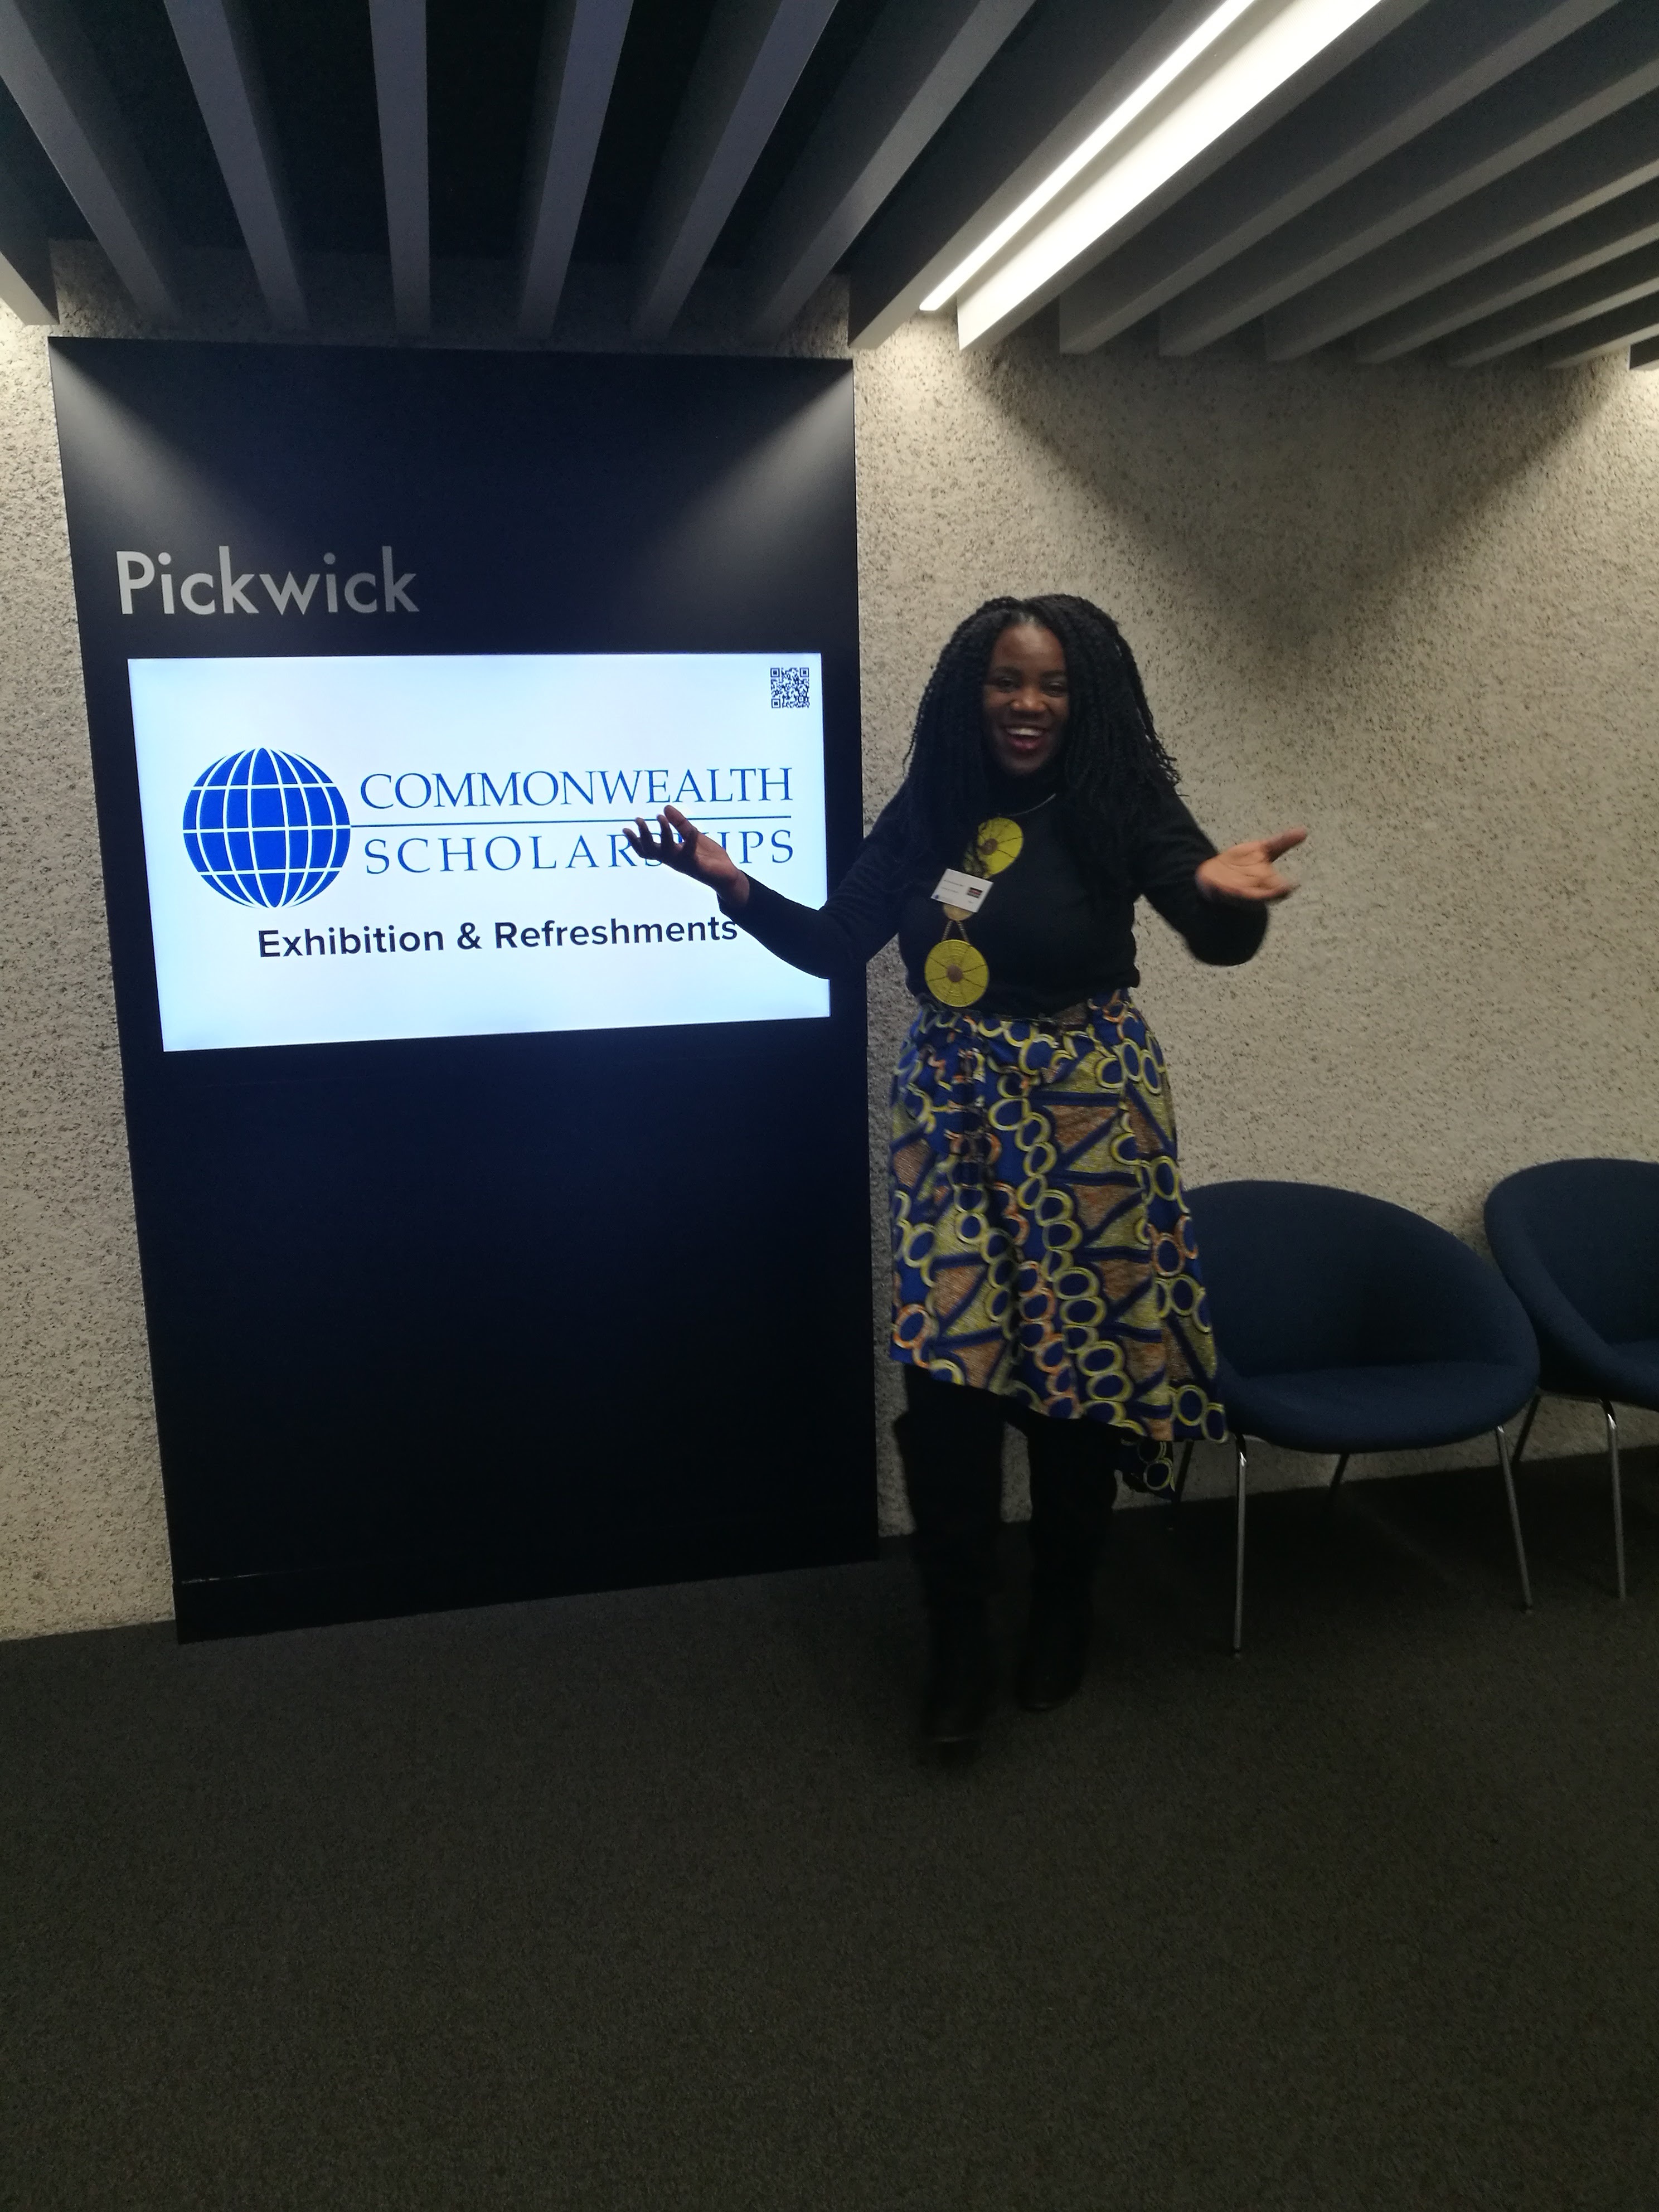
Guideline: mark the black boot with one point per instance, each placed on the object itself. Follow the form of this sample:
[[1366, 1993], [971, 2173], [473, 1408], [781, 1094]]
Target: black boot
[[949, 1439], [1074, 1483], [961, 1676], [1055, 1656]]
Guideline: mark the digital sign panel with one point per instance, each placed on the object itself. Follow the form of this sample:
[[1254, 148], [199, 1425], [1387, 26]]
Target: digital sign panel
[[346, 848]]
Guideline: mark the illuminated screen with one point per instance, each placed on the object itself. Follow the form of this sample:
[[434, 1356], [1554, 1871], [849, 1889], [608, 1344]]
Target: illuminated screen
[[346, 848]]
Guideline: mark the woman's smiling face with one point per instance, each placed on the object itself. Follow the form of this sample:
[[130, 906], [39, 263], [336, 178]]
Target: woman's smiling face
[[1025, 698]]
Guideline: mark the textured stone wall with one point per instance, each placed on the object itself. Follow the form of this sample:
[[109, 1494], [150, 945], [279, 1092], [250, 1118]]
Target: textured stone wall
[[81, 1535], [1414, 610]]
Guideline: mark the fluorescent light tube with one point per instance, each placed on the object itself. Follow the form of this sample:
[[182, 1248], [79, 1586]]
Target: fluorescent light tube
[[1096, 144], [1195, 98]]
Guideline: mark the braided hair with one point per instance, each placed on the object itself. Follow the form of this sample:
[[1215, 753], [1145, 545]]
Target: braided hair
[[1111, 760]]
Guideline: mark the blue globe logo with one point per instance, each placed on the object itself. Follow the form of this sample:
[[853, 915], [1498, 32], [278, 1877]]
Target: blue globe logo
[[266, 829]]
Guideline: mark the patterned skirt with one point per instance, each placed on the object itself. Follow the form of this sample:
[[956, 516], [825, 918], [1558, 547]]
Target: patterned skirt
[[1042, 1245]]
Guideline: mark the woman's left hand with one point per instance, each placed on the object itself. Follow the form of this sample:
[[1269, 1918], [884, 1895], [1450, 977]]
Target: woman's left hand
[[1244, 875]]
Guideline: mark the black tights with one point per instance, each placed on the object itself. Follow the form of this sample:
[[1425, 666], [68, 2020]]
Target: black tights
[[949, 1438]]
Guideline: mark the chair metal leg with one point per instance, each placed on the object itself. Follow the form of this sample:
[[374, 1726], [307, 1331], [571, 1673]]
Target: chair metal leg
[[1336, 1481], [1526, 1428], [1238, 1548], [1183, 1470], [1618, 1499], [1515, 1517]]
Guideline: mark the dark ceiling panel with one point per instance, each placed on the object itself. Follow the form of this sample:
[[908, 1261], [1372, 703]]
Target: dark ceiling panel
[[845, 33], [481, 85], [319, 70], [134, 44], [25, 164], [657, 58], [992, 83]]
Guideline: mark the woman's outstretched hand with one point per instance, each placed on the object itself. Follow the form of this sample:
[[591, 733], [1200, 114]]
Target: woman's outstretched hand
[[1244, 875], [680, 845]]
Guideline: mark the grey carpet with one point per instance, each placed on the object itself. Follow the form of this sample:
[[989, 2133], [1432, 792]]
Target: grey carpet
[[643, 1900]]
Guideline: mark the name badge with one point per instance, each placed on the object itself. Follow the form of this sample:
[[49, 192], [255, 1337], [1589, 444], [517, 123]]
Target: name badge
[[968, 892]]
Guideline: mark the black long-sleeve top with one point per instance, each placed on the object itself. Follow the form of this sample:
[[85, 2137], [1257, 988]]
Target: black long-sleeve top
[[1048, 940]]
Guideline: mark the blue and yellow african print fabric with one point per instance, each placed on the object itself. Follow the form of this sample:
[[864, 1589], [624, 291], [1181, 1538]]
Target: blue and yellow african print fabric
[[1042, 1246]]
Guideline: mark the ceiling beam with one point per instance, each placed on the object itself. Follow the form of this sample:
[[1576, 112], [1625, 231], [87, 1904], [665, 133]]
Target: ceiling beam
[[1645, 354], [50, 71], [224, 73], [1618, 225], [1543, 195], [749, 63], [581, 45], [1608, 333], [398, 31], [26, 279], [1011, 130], [1598, 166], [1613, 285], [1575, 85], [1434, 63], [916, 65]]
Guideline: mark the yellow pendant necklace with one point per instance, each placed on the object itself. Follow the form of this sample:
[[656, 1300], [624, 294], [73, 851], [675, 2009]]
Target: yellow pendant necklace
[[955, 971]]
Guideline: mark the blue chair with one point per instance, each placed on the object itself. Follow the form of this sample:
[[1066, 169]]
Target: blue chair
[[1578, 1241], [1345, 1324]]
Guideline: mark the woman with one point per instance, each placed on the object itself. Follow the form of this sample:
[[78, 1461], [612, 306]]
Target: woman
[[1045, 1272]]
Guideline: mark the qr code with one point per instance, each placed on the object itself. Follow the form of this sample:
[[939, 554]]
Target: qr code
[[792, 687]]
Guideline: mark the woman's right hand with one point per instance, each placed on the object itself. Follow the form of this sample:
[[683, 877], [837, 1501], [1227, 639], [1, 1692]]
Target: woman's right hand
[[680, 845]]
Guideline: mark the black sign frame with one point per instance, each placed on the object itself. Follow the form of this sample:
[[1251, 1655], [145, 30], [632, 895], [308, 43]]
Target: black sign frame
[[457, 1321]]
